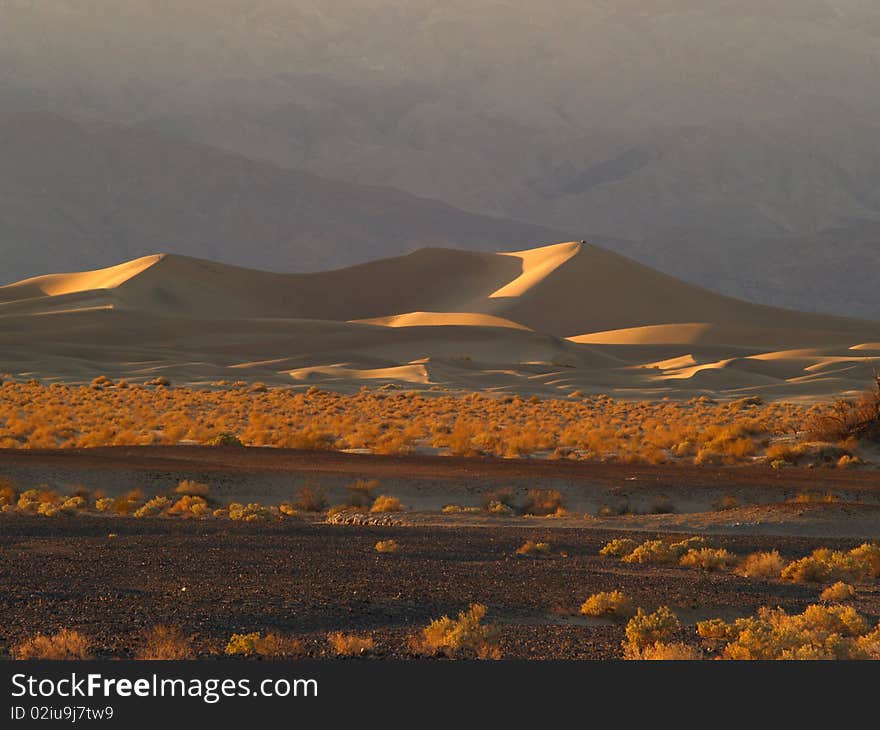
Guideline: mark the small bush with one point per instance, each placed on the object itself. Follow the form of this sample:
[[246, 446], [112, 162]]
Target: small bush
[[499, 498], [349, 644], [466, 634], [192, 488], [612, 603], [128, 502], [65, 644], [270, 646], [224, 439], [653, 552], [153, 507], [387, 546], [707, 559], [619, 547], [828, 566], [310, 498], [384, 503], [868, 553], [165, 643], [533, 549], [762, 565], [838, 593], [251, 512], [859, 419], [645, 629], [820, 632], [662, 652], [8, 492], [189, 506], [543, 502]]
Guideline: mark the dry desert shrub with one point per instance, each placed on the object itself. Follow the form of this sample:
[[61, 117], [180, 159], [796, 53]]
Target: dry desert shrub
[[820, 632], [387, 546], [657, 552], [8, 492], [464, 636], [762, 565], [661, 651], [500, 501], [828, 566], [192, 488], [65, 644], [384, 503], [190, 506], [251, 512], [271, 646], [153, 507], [614, 604], [838, 593], [349, 644], [128, 502], [165, 643], [847, 419], [224, 439], [532, 549], [594, 427], [708, 559], [310, 498], [619, 547], [647, 629], [543, 502], [869, 554]]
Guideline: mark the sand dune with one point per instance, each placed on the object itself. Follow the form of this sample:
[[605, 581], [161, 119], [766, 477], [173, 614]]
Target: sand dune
[[551, 320]]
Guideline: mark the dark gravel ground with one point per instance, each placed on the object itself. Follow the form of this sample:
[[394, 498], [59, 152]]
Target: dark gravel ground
[[213, 578]]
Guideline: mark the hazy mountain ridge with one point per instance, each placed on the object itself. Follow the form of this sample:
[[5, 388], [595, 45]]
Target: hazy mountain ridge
[[82, 195]]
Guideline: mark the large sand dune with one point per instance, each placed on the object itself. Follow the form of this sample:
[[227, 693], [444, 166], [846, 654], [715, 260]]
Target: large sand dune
[[557, 319]]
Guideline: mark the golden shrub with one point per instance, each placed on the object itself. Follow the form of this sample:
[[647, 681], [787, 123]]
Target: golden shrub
[[653, 552], [192, 488], [384, 503], [349, 644], [707, 559], [466, 634], [838, 593], [165, 643], [828, 566], [609, 603], [532, 549], [820, 632], [662, 652], [619, 547], [65, 644], [387, 546], [762, 565], [645, 629]]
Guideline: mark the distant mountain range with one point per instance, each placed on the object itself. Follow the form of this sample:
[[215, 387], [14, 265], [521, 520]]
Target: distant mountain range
[[75, 196]]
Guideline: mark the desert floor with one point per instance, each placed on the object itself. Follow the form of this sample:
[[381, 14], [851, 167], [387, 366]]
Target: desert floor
[[114, 577]]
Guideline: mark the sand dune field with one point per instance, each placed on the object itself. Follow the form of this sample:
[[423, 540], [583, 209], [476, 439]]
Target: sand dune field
[[554, 320]]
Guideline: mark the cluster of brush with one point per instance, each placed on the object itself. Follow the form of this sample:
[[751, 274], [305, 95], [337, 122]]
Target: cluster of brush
[[831, 630]]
